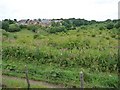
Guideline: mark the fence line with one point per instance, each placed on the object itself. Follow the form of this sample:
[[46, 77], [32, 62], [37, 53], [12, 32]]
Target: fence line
[[81, 80], [27, 79], [28, 82]]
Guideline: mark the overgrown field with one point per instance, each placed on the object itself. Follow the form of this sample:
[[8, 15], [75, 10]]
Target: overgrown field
[[59, 58]]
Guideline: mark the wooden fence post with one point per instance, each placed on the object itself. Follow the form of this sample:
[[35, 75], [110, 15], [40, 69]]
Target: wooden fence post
[[27, 79], [81, 80]]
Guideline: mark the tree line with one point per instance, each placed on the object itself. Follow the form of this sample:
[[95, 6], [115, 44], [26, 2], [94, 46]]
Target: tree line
[[62, 26]]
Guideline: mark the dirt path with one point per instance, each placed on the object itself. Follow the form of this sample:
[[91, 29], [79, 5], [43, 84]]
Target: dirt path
[[33, 82]]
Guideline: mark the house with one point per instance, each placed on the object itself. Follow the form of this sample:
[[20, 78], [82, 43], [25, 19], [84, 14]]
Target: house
[[46, 22], [22, 22], [42, 22]]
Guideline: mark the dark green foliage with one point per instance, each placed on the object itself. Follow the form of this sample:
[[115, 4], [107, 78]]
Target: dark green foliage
[[93, 22], [83, 27], [33, 28], [102, 28], [110, 26], [113, 36], [23, 26], [108, 20], [93, 35], [36, 36], [15, 20], [9, 25], [67, 24], [56, 29], [72, 22], [55, 24], [117, 25], [11, 21], [77, 23], [5, 25]]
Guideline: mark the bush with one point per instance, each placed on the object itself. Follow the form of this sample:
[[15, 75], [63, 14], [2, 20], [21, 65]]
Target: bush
[[110, 26], [15, 36], [56, 29], [35, 36], [93, 35], [102, 28], [33, 28], [14, 28], [5, 25], [83, 27], [23, 26]]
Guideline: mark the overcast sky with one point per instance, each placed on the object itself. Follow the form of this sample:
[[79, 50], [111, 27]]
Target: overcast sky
[[34, 9]]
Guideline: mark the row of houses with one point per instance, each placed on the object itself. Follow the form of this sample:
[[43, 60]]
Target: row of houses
[[42, 22]]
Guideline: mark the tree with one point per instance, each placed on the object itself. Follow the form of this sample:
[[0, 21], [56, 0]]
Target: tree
[[117, 25], [55, 24], [11, 21], [108, 20], [5, 25], [15, 20], [39, 20], [67, 24], [93, 21]]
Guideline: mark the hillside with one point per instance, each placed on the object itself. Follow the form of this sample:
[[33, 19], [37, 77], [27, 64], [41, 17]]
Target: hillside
[[59, 56]]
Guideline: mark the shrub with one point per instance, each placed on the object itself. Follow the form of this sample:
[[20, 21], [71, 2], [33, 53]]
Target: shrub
[[33, 28], [110, 26], [56, 29], [35, 36], [101, 28], [23, 26], [107, 37], [15, 36], [113, 36], [93, 35], [14, 28], [83, 27]]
